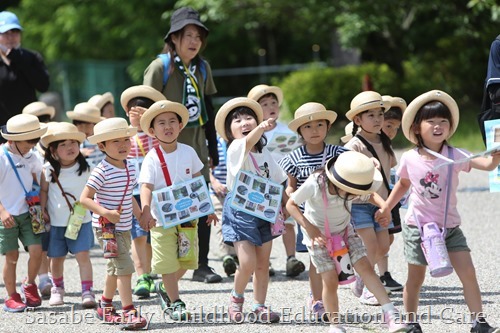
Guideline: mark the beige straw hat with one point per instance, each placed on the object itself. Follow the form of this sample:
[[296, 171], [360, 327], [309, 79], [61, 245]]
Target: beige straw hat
[[260, 90], [395, 102], [160, 107], [140, 91], [60, 132], [348, 132], [354, 173], [39, 109], [23, 127], [232, 104], [85, 112], [365, 101], [100, 100], [111, 128], [311, 111]]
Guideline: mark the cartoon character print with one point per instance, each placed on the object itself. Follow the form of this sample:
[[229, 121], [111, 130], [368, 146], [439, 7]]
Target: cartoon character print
[[266, 173], [430, 184], [344, 262]]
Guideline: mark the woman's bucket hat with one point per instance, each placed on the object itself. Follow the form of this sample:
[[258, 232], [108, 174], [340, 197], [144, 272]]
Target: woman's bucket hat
[[182, 17]]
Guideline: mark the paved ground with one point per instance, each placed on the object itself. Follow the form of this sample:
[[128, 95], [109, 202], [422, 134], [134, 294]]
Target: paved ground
[[442, 304]]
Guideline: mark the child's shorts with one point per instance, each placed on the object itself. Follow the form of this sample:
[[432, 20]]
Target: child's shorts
[[165, 250], [123, 264], [21, 231], [363, 216], [45, 240], [322, 260], [238, 226], [455, 242], [59, 245]]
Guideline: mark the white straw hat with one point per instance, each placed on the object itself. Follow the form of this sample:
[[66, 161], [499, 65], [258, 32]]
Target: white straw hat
[[365, 101], [111, 128], [39, 109], [260, 90], [311, 111], [23, 127]]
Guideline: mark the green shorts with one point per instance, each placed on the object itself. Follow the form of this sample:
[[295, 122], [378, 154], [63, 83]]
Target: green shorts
[[21, 231], [165, 249], [455, 242], [123, 264]]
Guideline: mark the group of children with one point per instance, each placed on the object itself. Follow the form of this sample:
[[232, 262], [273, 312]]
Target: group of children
[[329, 190]]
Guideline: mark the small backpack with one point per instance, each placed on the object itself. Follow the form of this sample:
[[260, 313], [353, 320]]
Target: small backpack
[[165, 57]]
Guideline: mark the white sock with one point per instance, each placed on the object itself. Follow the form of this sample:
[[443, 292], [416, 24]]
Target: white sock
[[388, 307]]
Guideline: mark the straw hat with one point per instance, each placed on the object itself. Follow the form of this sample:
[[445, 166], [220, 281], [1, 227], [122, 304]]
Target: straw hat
[[61, 131], [39, 109], [354, 173], [348, 132], [160, 107], [85, 112], [365, 101], [260, 90], [311, 111], [395, 102], [419, 102], [182, 17], [23, 127], [140, 91], [100, 100], [232, 104], [111, 128]]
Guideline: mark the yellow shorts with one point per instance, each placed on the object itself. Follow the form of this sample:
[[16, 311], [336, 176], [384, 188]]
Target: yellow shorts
[[165, 249]]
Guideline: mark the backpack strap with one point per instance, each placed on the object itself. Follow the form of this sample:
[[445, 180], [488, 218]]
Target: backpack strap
[[165, 57]]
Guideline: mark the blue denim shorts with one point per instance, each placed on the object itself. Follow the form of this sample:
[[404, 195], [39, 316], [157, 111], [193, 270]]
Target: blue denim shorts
[[59, 245], [238, 226], [136, 230], [363, 217], [45, 241]]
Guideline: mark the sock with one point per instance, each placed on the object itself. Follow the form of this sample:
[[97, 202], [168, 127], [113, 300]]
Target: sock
[[255, 306], [106, 302], [290, 257], [42, 278], [128, 308], [235, 294], [388, 307], [87, 285], [58, 282]]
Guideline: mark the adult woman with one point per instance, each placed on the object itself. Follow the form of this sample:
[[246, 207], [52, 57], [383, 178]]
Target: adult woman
[[184, 77]]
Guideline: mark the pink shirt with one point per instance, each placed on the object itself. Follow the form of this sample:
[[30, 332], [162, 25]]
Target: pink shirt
[[428, 187]]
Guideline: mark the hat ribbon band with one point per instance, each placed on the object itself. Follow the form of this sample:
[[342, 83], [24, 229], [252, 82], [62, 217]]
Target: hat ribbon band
[[371, 102], [362, 187]]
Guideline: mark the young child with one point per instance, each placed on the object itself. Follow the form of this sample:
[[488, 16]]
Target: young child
[[108, 195], [84, 117], [428, 122], [164, 120], [239, 122], [64, 177], [135, 101], [22, 132], [392, 123], [312, 122], [367, 115], [270, 99], [329, 192], [105, 103]]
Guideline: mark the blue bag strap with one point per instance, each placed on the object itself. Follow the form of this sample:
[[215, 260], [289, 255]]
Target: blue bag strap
[[165, 57], [14, 167]]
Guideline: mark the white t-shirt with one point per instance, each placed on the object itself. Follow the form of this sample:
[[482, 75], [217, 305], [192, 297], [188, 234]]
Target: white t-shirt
[[12, 195], [181, 165], [237, 160], [71, 183]]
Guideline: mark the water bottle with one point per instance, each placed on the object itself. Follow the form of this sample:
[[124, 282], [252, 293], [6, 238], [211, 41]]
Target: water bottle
[[435, 251], [75, 221], [340, 255]]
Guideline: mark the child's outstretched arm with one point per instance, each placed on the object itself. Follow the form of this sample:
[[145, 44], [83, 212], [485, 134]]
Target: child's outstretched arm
[[312, 231], [486, 163], [87, 200], [399, 190], [254, 136]]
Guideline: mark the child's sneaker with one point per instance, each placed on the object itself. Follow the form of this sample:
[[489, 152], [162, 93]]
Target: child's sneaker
[[265, 315], [336, 329], [357, 287], [483, 327], [368, 298], [414, 328], [131, 320], [177, 311], [389, 283], [294, 267], [164, 300], [229, 265], [107, 314], [31, 296], [393, 321], [271, 270], [143, 286], [45, 287], [14, 303], [88, 299], [316, 307], [235, 309], [56, 296]]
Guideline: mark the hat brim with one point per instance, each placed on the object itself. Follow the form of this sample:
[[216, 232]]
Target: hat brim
[[329, 115], [365, 107], [181, 25], [377, 181], [416, 105], [113, 134], [346, 138], [36, 134], [83, 117], [169, 106], [11, 26], [48, 139], [140, 91], [232, 104]]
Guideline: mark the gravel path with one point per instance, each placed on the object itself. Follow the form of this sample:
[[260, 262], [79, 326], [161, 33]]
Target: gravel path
[[442, 304]]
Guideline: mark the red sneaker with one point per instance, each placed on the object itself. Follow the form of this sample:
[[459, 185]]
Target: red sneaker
[[14, 303], [132, 320], [31, 296], [107, 314]]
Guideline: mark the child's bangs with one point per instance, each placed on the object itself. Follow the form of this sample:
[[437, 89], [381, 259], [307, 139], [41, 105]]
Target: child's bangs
[[433, 110], [241, 111]]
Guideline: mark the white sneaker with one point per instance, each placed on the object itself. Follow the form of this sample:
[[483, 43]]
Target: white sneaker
[[357, 286], [368, 298], [88, 300], [56, 296], [336, 329]]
